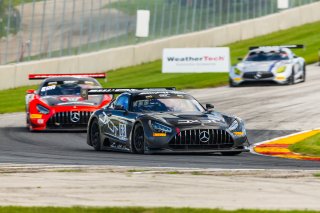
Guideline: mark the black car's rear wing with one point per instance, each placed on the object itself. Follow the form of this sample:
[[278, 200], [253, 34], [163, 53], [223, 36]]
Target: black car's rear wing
[[114, 91], [294, 46]]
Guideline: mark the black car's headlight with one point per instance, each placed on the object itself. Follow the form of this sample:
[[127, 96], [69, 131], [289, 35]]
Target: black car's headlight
[[234, 125], [42, 109], [237, 128], [159, 127]]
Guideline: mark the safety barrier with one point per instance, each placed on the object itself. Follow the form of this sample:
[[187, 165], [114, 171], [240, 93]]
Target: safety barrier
[[15, 75]]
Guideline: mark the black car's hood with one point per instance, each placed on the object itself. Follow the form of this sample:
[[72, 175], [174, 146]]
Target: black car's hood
[[71, 101], [192, 119]]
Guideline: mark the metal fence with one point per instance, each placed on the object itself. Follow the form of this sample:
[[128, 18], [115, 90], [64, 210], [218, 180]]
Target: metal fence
[[39, 29]]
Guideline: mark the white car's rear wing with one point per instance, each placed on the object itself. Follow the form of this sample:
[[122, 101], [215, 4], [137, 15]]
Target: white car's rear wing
[[294, 46]]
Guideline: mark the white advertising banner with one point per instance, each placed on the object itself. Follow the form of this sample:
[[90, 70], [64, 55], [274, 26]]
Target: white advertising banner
[[283, 4], [196, 60], [143, 21]]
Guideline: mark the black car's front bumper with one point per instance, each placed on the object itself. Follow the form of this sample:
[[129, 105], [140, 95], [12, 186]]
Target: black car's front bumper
[[189, 141]]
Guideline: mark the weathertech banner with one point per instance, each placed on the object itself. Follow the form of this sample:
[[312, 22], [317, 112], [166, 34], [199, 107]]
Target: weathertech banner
[[196, 60]]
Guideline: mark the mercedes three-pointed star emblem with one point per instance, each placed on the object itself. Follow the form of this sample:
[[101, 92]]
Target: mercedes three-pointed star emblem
[[75, 117], [204, 137]]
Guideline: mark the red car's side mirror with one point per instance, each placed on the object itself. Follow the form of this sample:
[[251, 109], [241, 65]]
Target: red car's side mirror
[[31, 91]]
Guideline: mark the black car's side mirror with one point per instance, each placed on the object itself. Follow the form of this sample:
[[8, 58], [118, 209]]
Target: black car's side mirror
[[209, 107], [119, 107]]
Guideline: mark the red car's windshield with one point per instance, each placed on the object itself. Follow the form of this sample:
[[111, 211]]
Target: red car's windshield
[[73, 87]]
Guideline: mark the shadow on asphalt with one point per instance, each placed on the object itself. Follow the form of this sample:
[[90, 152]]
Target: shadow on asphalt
[[259, 84]]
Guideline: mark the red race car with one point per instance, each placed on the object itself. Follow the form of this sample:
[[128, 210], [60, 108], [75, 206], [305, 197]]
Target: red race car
[[57, 103]]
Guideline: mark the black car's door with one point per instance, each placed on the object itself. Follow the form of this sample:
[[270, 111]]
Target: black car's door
[[121, 120]]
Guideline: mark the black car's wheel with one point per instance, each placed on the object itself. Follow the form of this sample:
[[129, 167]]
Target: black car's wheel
[[230, 153], [138, 144], [95, 135]]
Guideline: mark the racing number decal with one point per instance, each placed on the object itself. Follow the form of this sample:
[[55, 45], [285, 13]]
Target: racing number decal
[[122, 131]]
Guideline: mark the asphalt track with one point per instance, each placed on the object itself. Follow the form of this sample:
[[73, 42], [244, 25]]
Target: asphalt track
[[269, 111]]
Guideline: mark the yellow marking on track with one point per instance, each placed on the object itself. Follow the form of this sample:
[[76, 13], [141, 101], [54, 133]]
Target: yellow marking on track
[[271, 149], [279, 147]]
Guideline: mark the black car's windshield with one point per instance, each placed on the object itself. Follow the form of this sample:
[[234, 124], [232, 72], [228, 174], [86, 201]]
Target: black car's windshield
[[267, 56], [166, 102], [72, 87]]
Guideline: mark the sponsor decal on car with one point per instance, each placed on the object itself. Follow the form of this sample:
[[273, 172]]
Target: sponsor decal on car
[[48, 88]]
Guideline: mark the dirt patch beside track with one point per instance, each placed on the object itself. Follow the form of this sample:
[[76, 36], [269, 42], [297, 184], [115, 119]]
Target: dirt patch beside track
[[135, 186]]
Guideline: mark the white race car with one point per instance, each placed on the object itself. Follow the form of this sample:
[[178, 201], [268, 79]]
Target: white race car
[[270, 63]]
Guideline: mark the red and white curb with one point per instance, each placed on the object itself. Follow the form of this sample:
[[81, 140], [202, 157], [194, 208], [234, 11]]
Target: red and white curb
[[279, 147]]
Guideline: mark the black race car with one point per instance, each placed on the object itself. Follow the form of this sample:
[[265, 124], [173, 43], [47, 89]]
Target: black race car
[[162, 120]]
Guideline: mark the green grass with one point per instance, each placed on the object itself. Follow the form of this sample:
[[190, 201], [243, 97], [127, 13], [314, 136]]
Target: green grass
[[136, 170], [149, 75], [309, 146], [174, 173], [317, 175], [13, 100], [131, 210]]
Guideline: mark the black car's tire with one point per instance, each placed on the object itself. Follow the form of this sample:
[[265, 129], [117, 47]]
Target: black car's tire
[[304, 76], [138, 145], [230, 153], [95, 136], [231, 83]]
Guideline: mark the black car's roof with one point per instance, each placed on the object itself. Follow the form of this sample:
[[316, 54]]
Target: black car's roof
[[145, 92]]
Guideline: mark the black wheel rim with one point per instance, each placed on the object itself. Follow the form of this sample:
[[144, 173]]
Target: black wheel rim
[[95, 135], [139, 140]]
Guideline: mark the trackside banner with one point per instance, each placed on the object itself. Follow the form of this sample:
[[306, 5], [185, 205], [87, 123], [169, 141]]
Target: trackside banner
[[196, 60]]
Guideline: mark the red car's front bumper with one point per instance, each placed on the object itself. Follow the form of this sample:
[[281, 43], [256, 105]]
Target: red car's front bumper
[[66, 117]]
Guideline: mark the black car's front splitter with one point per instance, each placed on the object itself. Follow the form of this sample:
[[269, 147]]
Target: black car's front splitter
[[170, 151]]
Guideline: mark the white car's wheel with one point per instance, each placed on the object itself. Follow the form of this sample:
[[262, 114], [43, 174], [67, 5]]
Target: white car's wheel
[[291, 80], [304, 73], [231, 83]]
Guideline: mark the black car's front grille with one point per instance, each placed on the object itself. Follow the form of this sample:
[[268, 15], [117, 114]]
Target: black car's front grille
[[258, 75], [198, 139], [73, 119]]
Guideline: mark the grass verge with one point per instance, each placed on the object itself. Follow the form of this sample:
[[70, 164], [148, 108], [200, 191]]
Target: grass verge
[[13, 100], [132, 210], [309, 146], [317, 175], [149, 74]]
